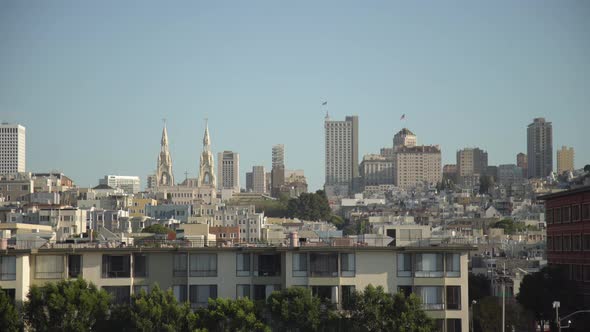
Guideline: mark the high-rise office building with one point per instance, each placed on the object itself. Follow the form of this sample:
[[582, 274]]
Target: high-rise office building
[[565, 160], [228, 170], [278, 168], [249, 182], [258, 179], [521, 161], [12, 148], [417, 165], [471, 161], [539, 148], [341, 152]]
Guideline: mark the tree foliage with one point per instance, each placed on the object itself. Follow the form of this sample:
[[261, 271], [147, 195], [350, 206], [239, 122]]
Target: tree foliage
[[479, 287], [310, 206], [9, 316], [510, 226], [69, 305], [375, 310], [294, 309], [157, 310], [232, 316], [157, 229]]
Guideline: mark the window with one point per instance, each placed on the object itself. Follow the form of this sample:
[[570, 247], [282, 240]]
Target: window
[[74, 266], [431, 297], [549, 216], [586, 242], [119, 294], [267, 265], [180, 266], [200, 294], [575, 212], [453, 298], [242, 291], [567, 243], [299, 265], [557, 215], [348, 293], [577, 243], [404, 265], [116, 266], [586, 211], [405, 290], [243, 265], [453, 265], [180, 293], [324, 265], [565, 214], [140, 265], [347, 265], [454, 325], [550, 243], [137, 289], [557, 243], [49, 267], [7, 267], [259, 292], [203, 265], [429, 265]]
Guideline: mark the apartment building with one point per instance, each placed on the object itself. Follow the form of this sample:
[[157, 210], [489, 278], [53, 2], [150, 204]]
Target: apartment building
[[417, 165], [12, 148], [436, 274]]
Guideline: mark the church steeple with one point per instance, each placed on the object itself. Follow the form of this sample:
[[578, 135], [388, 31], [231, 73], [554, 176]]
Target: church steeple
[[164, 175], [206, 172]]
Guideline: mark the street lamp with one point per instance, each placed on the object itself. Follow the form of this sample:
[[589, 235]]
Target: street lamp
[[473, 303], [556, 305]]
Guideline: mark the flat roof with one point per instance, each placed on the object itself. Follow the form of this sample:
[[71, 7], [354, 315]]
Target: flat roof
[[564, 193]]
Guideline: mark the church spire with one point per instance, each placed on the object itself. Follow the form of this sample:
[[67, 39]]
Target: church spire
[[206, 139], [164, 141], [164, 175], [206, 172]]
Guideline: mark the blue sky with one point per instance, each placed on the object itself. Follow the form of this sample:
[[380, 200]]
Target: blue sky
[[92, 81]]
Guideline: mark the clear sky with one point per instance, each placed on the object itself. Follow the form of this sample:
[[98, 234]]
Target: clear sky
[[91, 81]]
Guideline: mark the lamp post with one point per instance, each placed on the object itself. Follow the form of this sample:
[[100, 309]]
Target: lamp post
[[556, 305], [473, 303]]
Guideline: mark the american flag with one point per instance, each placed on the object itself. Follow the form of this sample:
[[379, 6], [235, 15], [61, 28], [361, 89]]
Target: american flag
[[325, 103], [403, 117]]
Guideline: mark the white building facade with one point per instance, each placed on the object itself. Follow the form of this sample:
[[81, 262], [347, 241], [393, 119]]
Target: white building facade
[[12, 148]]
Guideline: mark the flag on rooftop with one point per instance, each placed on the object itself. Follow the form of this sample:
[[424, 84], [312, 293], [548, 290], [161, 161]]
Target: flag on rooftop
[[325, 103], [403, 117]]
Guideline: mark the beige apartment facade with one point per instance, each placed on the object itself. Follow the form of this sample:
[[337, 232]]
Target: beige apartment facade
[[416, 165], [436, 274], [565, 160]]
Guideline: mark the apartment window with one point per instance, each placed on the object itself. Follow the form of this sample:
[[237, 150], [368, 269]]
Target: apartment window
[[7, 267], [586, 211], [203, 265], [324, 265], [348, 296], [243, 265], [242, 291], [453, 325], [259, 292], [429, 265], [549, 216], [557, 243], [431, 296], [267, 265], [586, 272], [74, 266], [404, 265], [565, 214], [575, 212], [116, 266], [137, 289], [453, 298], [119, 294], [200, 294], [49, 267], [348, 264], [180, 293], [324, 293], [567, 243], [140, 265], [299, 265], [586, 242], [550, 243], [453, 265], [180, 265], [577, 243]]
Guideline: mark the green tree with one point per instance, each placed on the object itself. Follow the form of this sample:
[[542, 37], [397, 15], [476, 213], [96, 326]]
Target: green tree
[[375, 310], [157, 310], [157, 229], [310, 206], [232, 315], [487, 314], [9, 316], [539, 290], [69, 305], [479, 287], [294, 309]]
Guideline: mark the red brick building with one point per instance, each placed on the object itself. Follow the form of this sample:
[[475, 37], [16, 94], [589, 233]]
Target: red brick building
[[568, 234]]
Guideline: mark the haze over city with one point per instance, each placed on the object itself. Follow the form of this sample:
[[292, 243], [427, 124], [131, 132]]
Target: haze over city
[[92, 81]]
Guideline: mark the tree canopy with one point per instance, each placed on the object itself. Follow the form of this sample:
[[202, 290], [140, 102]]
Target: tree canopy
[[310, 206], [294, 308], [157, 229], [68, 305], [228, 315], [9, 316]]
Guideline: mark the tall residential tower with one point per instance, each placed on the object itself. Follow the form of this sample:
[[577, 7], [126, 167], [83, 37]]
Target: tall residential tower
[[565, 160], [342, 151], [12, 148], [539, 148], [228, 171]]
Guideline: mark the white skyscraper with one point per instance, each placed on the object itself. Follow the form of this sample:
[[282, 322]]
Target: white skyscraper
[[258, 179], [228, 171], [342, 151], [12, 148]]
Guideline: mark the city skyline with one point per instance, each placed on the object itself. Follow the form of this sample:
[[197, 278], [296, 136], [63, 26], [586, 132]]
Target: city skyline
[[92, 106]]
